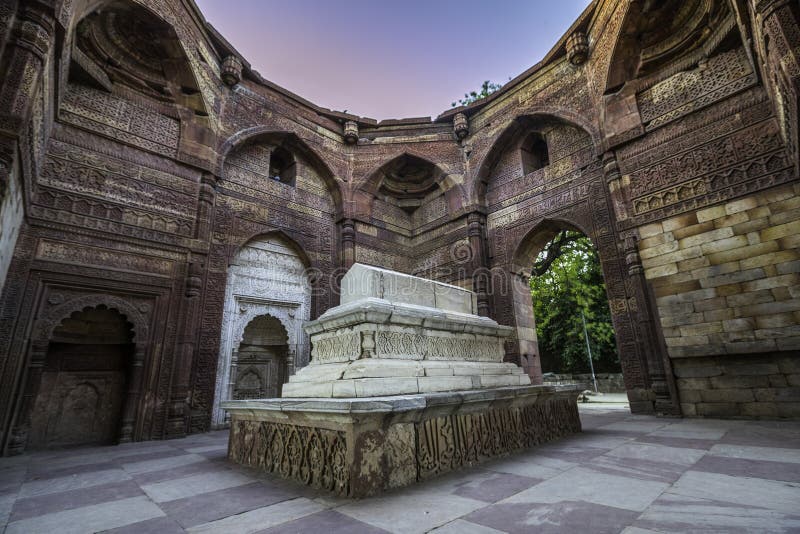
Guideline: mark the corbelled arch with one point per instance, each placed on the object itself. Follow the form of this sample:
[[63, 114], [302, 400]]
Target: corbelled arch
[[181, 84]]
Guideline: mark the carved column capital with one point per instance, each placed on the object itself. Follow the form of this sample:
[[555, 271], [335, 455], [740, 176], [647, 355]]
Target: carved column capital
[[351, 132], [632, 259], [577, 48], [231, 70], [194, 280], [460, 125], [34, 30]]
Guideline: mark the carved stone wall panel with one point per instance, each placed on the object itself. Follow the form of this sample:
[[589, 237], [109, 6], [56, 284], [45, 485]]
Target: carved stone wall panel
[[721, 76], [120, 119]]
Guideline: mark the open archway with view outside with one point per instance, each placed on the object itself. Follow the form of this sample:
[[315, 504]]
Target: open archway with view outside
[[574, 328], [644, 376]]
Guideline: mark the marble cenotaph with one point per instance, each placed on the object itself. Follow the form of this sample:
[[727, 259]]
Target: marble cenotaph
[[405, 382]]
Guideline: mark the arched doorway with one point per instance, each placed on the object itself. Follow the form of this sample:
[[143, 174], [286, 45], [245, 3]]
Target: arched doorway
[[574, 328], [267, 278], [87, 369], [259, 365]]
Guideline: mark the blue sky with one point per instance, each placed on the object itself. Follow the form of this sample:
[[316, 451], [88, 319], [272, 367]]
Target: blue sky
[[390, 58]]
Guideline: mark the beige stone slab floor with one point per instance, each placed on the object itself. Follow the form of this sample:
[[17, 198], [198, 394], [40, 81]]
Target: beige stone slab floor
[[624, 473]]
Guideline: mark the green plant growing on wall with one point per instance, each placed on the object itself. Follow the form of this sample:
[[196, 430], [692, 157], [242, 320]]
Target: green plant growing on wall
[[486, 89]]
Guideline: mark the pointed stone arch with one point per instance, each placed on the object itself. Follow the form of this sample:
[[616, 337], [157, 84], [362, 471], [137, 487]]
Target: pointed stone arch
[[292, 142], [513, 132]]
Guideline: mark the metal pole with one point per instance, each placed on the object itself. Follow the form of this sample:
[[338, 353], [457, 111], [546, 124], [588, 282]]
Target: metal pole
[[588, 350]]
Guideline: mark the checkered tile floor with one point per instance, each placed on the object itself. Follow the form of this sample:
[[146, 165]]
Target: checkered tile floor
[[624, 473]]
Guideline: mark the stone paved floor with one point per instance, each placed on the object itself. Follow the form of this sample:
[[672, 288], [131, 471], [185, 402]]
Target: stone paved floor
[[624, 473]]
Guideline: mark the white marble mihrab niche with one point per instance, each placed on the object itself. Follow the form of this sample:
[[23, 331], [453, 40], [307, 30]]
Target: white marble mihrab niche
[[267, 278], [396, 334]]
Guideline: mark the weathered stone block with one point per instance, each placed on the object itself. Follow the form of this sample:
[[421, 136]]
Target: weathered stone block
[[777, 394], [722, 245], [693, 383], [357, 448], [709, 214], [717, 409], [742, 252], [729, 382], [759, 409], [727, 395], [789, 410], [690, 396], [688, 370]]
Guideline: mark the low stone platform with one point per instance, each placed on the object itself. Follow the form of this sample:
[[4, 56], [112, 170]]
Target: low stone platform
[[359, 447]]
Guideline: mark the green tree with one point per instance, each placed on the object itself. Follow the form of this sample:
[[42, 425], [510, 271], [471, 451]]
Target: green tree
[[567, 279], [486, 89]]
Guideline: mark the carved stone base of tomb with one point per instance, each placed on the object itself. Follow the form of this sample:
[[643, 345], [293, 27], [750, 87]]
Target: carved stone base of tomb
[[360, 447]]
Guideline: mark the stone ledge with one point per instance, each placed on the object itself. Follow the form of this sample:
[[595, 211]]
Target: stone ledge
[[393, 403], [360, 447]]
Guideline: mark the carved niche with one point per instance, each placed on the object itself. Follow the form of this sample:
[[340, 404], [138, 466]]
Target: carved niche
[[266, 277]]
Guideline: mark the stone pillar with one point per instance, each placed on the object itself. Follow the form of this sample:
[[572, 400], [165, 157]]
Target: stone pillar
[[481, 277], [37, 354], [618, 186], [22, 65], [132, 395], [234, 372], [205, 206], [525, 327], [348, 234], [641, 304], [779, 41], [179, 409]]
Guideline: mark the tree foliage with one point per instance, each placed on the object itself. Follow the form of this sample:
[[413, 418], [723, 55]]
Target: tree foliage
[[567, 280], [486, 89]]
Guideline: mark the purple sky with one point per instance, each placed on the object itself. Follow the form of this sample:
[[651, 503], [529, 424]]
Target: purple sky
[[390, 58]]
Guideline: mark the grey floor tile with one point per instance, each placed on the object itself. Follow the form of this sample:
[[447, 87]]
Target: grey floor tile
[[495, 486], [462, 526], [72, 482], [773, 454], [181, 488], [92, 518], [558, 518], [780, 496], [328, 521], [740, 467], [159, 525], [215, 505], [68, 500], [584, 484], [679, 514], [260, 518], [411, 511], [160, 464]]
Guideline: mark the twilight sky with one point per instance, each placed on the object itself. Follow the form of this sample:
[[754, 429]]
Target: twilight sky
[[390, 58]]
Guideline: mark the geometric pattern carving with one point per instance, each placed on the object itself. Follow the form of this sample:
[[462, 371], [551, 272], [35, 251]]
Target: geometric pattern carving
[[454, 441], [313, 456]]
